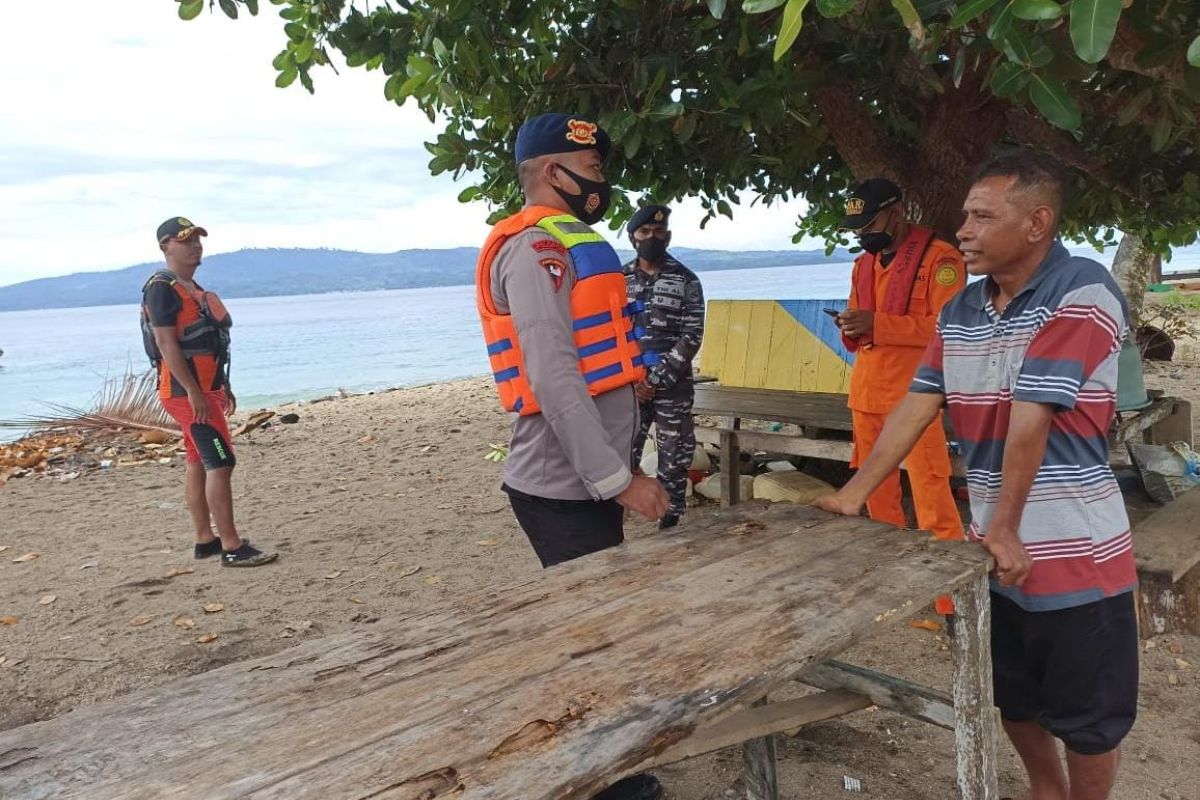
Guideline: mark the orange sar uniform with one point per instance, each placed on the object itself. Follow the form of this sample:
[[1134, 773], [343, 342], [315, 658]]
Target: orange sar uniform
[[883, 370]]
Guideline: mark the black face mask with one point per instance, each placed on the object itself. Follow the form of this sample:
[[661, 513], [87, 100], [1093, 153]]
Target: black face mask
[[592, 201], [875, 242], [652, 249]]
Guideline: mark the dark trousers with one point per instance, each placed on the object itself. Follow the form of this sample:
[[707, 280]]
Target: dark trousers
[[561, 530], [675, 436]]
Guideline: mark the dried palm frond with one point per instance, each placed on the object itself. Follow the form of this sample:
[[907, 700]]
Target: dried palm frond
[[124, 401]]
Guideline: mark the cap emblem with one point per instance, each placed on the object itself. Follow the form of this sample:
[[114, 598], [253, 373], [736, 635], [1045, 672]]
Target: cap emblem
[[580, 131]]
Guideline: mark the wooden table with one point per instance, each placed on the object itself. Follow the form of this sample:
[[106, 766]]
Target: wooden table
[[553, 688]]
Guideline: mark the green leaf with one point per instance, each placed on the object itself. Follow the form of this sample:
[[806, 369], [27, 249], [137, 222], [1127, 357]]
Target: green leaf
[[296, 32], [1054, 101], [292, 13], [304, 51], [789, 28], [1134, 107], [761, 6], [724, 209], [910, 17], [468, 194], [252, 7], [287, 77], [1193, 52], [190, 9], [685, 126], [1031, 51], [831, 9], [1093, 24], [1008, 79], [229, 7], [960, 65], [969, 11], [1161, 134], [1037, 10], [632, 143], [1001, 23], [716, 8]]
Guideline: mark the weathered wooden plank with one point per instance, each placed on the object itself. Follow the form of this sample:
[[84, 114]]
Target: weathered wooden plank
[[1168, 541], [1176, 427], [731, 453], [785, 443], [1168, 606], [823, 409], [761, 772], [1132, 427], [974, 708], [547, 689], [716, 335], [763, 720], [885, 691]]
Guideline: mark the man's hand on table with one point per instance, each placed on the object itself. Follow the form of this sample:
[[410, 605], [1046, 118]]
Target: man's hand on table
[[1012, 559], [840, 503]]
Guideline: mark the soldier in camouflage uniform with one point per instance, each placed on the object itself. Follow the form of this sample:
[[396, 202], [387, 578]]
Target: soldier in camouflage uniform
[[672, 324]]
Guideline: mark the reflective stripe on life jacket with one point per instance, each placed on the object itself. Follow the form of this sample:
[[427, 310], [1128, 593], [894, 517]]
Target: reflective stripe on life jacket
[[602, 317]]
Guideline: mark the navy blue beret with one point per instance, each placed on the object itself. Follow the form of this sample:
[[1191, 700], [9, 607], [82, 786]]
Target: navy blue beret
[[560, 133], [646, 215]]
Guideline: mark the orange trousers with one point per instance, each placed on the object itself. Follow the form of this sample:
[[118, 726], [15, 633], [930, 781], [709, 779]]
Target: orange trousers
[[929, 475]]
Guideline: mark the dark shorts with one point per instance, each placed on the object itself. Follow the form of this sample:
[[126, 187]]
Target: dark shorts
[[561, 530], [209, 443], [1073, 671]]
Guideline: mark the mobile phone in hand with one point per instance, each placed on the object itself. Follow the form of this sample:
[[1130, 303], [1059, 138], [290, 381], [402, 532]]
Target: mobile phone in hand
[[833, 312]]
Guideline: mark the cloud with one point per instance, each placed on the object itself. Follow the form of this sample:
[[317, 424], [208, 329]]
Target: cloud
[[140, 116]]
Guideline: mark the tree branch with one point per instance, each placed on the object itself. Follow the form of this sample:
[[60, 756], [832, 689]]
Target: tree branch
[[1036, 132]]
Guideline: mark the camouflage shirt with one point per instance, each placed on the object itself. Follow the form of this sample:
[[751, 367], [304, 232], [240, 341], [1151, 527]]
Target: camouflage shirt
[[672, 319]]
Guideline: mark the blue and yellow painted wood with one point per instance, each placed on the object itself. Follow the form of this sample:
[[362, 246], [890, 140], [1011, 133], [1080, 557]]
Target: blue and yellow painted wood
[[775, 344]]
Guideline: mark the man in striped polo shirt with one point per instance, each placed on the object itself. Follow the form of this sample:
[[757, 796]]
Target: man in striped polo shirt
[[1026, 362]]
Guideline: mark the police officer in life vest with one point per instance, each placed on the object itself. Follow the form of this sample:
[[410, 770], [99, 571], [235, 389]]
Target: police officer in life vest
[[671, 322], [898, 287], [560, 338]]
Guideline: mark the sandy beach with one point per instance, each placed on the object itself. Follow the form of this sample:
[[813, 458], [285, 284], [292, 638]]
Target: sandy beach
[[385, 503]]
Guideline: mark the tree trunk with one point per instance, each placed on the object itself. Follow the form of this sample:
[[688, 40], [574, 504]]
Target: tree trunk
[[1133, 268], [962, 125]]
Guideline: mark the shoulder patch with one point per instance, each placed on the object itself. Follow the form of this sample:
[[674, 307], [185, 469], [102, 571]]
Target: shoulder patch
[[556, 269], [946, 273], [548, 245]]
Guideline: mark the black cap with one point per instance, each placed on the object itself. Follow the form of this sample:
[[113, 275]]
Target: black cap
[[647, 215], [178, 228], [865, 202], [560, 133]]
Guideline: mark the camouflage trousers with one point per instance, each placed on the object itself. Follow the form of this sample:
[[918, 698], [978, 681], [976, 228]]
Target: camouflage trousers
[[670, 411]]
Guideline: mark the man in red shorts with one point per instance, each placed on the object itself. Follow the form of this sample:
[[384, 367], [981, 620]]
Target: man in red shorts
[[186, 333]]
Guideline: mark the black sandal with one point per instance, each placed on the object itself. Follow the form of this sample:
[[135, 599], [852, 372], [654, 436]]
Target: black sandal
[[208, 549], [247, 556]]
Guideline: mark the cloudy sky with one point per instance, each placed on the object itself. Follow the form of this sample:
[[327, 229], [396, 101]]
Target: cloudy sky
[[114, 116]]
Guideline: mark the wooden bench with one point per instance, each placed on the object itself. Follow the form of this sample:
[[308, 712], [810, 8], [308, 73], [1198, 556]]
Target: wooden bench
[[1165, 420], [1166, 546], [658, 650]]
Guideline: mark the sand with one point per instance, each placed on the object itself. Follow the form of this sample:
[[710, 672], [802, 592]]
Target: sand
[[385, 503]]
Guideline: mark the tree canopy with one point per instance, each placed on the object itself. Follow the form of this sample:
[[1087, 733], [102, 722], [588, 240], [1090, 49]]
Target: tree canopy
[[765, 100]]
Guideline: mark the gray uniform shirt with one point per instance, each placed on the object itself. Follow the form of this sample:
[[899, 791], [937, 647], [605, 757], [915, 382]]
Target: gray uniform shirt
[[580, 446]]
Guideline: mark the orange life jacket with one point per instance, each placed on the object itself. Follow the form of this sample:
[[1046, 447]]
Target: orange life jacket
[[202, 328], [602, 317]]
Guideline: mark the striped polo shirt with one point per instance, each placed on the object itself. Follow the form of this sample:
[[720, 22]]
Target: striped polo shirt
[[1056, 343]]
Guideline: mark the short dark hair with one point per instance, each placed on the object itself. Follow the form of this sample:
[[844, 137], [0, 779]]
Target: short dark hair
[[1035, 173]]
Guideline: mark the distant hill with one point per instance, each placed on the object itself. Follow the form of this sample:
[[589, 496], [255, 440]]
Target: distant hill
[[263, 273]]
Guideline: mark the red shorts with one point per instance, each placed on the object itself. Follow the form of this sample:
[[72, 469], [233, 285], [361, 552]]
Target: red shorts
[[208, 443]]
